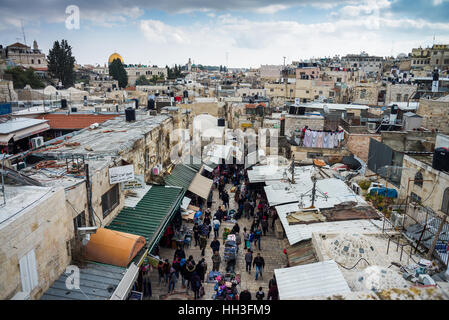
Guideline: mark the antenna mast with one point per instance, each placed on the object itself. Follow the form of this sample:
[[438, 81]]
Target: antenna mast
[[23, 33]]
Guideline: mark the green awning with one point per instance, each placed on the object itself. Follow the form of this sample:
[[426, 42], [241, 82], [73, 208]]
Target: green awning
[[181, 176], [151, 215]]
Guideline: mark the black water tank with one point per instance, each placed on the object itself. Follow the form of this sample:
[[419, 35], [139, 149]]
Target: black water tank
[[394, 109], [63, 104], [185, 94], [130, 114], [292, 110], [221, 122], [301, 111], [172, 94], [441, 159], [150, 104]]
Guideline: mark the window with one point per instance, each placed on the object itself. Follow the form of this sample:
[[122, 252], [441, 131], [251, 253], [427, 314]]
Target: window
[[418, 179], [271, 90], [79, 221], [445, 204], [110, 200], [362, 93], [137, 73], [446, 61], [331, 93], [398, 97], [415, 198], [32, 61], [39, 61], [437, 61], [321, 92], [28, 271]]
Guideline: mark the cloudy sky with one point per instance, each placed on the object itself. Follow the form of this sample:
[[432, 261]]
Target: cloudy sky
[[241, 33]]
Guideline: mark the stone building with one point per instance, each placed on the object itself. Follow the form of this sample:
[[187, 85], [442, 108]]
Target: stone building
[[280, 90], [134, 72], [435, 114], [399, 92], [366, 93], [439, 56], [270, 72], [26, 57]]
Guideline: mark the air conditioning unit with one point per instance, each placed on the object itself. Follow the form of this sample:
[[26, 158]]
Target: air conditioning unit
[[37, 142], [21, 165], [371, 126]]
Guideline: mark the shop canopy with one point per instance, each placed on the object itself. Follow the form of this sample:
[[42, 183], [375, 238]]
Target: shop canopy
[[150, 217], [113, 247], [201, 186]]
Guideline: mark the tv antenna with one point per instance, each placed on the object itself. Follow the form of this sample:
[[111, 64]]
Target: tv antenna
[[23, 33]]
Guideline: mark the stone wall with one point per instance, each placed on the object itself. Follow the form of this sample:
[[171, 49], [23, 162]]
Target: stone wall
[[399, 92], [409, 140], [358, 144], [432, 191], [293, 122], [7, 92], [435, 114], [47, 232], [365, 94]]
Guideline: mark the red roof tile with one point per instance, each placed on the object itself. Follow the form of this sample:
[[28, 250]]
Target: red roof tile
[[75, 121]]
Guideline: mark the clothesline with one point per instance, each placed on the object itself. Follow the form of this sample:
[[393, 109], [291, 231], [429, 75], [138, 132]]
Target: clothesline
[[322, 139]]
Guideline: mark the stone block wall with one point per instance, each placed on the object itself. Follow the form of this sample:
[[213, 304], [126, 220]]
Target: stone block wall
[[435, 114], [358, 144]]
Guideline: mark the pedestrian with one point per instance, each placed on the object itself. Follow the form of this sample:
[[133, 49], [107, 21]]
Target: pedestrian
[[196, 233], [275, 216], [183, 265], [272, 282], [273, 293], [180, 253], [235, 228], [177, 265], [172, 280], [216, 223], [257, 237], [259, 262], [215, 245], [200, 269], [166, 268], [216, 260], [160, 270], [248, 260], [245, 295], [250, 239], [225, 198], [203, 243], [247, 208], [190, 269], [264, 224], [146, 282], [260, 294], [195, 283], [245, 238]]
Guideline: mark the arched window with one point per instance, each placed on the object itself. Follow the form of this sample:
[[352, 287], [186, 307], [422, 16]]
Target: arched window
[[418, 179], [445, 204]]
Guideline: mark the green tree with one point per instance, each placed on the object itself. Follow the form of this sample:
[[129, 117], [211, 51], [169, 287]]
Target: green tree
[[118, 72], [61, 63], [142, 81], [21, 78]]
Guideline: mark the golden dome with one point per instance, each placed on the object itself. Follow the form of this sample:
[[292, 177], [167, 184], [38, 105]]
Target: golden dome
[[114, 56]]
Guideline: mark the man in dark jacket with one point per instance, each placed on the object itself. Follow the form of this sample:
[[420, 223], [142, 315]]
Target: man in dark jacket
[[273, 293], [215, 245], [225, 197], [180, 253], [248, 260], [245, 295], [247, 208], [259, 262], [190, 269], [196, 233], [195, 283]]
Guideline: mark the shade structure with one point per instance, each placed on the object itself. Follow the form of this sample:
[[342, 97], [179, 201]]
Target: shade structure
[[201, 186], [113, 247]]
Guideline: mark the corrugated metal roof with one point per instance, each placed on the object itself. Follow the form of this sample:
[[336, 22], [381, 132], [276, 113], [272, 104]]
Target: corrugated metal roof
[[315, 279], [97, 282], [299, 232], [17, 124], [181, 176], [150, 216]]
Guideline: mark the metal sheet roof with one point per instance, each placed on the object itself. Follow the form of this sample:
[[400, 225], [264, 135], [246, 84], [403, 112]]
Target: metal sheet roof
[[315, 279], [181, 176], [299, 232], [17, 124], [150, 216], [201, 186], [97, 282]]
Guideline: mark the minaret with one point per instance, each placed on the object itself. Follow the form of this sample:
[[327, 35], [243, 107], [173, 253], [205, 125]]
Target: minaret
[[35, 47], [189, 65]]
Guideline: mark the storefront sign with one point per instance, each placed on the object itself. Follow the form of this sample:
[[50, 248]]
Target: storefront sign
[[137, 183], [121, 174]]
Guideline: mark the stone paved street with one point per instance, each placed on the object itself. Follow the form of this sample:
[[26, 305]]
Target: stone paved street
[[272, 252]]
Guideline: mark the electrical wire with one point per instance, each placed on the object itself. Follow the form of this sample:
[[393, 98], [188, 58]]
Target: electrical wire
[[353, 265]]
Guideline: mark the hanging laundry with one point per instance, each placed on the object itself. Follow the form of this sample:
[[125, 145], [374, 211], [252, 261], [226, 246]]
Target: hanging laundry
[[319, 143]]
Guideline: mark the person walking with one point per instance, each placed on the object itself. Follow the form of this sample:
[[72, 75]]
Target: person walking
[[203, 243], [260, 294], [166, 268], [201, 269], [248, 260], [196, 233], [275, 217], [190, 270], [146, 282], [172, 280], [264, 224], [216, 224], [245, 238], [216, 260], [245, 295], [195, 283], [250, 240], [257, 237], [160, 270], [215, 245], [259, 262], [225, 198], [273, 293], [235, 228], [180, 253], [247, 208]]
